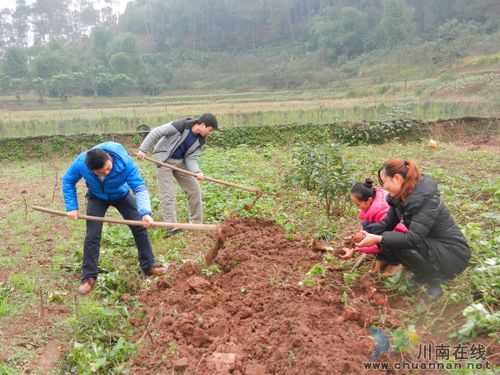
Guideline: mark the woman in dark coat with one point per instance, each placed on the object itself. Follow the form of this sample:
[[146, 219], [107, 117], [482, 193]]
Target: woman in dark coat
[[434, 248]]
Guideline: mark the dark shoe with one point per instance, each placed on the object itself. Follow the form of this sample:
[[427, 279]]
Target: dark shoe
[[86, 286], [156, 271], [417, 279], [172, 232], [434, 290]]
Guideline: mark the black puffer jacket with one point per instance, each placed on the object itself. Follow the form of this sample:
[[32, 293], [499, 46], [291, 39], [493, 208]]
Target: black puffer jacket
[[431, 229]]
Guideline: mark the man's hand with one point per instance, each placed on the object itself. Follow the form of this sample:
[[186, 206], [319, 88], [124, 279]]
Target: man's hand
[[140, 155], [200, 176], [148, 220], [73, 214]]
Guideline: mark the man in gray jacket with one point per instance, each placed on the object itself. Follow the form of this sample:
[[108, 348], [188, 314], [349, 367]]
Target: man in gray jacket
[[179, 143]]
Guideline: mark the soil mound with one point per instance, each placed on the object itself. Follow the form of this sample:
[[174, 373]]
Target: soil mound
[[253, 317]]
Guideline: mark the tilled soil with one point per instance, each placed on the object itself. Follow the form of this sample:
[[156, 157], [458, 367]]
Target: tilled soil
[[253, 317]]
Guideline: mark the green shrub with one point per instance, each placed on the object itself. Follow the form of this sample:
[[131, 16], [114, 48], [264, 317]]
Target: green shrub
[[323, 170]]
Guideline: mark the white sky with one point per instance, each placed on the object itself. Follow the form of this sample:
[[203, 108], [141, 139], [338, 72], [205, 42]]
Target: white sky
[[120, 4]]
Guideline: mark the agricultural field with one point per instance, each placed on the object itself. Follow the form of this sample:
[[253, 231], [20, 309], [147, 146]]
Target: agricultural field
[[270, 303], [468, 88]]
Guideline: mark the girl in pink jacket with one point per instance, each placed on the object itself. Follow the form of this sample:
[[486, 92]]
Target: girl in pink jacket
[[373, 208]]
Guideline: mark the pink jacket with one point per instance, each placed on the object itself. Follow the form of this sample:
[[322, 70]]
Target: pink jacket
[[376, 213]]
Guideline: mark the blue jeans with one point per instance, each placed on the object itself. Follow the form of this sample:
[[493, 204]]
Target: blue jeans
[[128, 209]]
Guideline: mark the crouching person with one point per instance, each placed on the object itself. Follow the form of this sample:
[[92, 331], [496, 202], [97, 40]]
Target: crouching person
[[434, 248], [373, 206], [109, 174]]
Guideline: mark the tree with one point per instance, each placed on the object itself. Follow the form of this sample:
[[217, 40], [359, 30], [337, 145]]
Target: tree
[[15, 62], [339, 33], [48, 63], [65, 85], [51, 19], [157, 74], [126, 63], [84, 16], [21, 22], [6, 36], [100, 38], [449, 44], [125, 42], [397, 25], [40, 87]]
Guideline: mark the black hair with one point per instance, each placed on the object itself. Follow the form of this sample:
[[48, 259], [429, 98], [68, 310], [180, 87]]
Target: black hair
[[209, 120], [363, 190], [96, 159]]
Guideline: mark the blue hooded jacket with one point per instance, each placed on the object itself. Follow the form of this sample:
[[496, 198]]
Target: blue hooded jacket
[[123, 177]]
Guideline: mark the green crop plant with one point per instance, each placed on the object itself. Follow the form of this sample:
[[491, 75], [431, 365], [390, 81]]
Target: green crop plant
[[317, 272], [479, 319], [324, 170]]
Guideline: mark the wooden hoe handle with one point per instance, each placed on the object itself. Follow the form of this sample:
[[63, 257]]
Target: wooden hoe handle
[[186, 226], [242, 187]]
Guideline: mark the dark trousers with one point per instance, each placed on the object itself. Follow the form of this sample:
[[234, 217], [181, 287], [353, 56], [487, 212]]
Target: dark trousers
[[388, 259], [417, 261], [127, 208], [391, 260]]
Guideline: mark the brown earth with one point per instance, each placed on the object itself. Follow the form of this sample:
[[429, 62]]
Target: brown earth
[[253, 317]]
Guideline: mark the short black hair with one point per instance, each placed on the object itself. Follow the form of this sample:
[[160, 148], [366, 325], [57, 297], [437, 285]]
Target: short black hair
[[96, 159], [209, 120]]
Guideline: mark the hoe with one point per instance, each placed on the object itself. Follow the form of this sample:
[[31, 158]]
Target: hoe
[[209, 258], [247, 207]]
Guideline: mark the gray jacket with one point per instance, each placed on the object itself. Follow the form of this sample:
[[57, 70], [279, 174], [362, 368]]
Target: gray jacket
[[166, 138]]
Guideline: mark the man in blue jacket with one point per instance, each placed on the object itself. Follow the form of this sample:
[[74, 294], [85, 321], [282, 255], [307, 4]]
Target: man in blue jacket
[[109, 174]]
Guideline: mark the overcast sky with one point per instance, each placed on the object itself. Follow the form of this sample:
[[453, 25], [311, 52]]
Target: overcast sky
[[120, 4]]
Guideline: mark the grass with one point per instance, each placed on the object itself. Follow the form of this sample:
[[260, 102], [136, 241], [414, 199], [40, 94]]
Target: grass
[[44, 250]]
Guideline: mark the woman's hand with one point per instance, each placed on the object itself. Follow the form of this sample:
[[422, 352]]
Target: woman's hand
[[369, 240]]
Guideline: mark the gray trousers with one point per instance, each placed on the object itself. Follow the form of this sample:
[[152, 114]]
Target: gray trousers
[[165, 178]]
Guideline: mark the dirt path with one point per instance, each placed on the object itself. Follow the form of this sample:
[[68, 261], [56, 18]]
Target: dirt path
[[254, 317]]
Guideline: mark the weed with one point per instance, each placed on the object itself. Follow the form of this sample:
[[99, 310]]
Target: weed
[[351, 277], [211, 270], [399, 283], [100, 345], [5, 291]]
